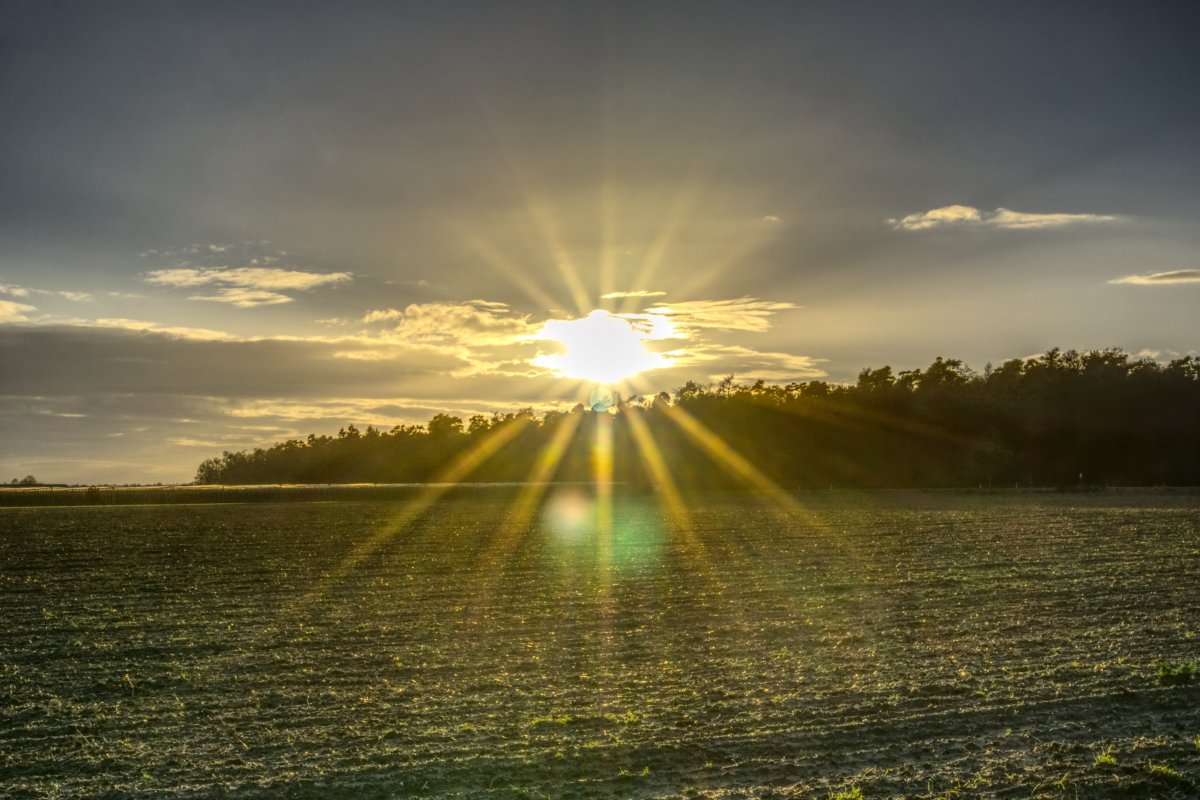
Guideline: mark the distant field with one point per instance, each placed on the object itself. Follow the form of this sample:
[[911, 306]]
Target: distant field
[[925, 645]]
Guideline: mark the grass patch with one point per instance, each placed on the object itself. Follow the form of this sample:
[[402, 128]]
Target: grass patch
[[854, 793], [1106, 758], [1162, 770], [1176, 674], [562, 719]]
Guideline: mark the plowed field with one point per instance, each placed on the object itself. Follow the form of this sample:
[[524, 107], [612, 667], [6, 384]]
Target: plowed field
[[922, 645]]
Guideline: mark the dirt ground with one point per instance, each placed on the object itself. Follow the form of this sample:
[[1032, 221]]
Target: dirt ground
[[834, 646]]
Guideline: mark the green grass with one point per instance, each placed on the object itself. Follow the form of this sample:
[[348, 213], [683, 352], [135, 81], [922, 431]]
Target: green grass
[[854, 793], [1169, 674], [1162, 770]]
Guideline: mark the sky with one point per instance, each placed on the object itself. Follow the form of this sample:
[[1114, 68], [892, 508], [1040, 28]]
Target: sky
[[223, 225]]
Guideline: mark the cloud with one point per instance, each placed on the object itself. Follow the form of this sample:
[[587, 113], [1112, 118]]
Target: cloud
[[243, 298], [1160, 278], [383, 315], [245, 287], [76, 297], [639, 293], [746, 364], [22, 292], [131, 357], [11, 311], [199, 334], [743, 314], [770, 218], [1002, 218], [473, 323]]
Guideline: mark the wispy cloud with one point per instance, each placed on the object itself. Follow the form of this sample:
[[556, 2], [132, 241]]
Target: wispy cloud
[[245, 287], [76, 297], [23, 292], [742, 314], [239, 297], [270, 278], [639, 293], [747, 364], [175, 331], [1161, 278], [11, 311], [1002, 218]]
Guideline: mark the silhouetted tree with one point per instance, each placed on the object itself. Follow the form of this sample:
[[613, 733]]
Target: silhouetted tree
[[1045, 420]]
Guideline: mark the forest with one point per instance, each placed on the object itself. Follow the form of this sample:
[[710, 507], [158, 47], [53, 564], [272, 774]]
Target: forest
[[1062, 419]]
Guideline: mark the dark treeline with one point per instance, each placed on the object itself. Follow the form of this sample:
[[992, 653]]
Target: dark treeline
[[1043, 421]]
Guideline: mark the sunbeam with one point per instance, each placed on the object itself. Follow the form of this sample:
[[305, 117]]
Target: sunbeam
[[459, 469], [518, 521], [668, 492], [782, 501], [511, 271]]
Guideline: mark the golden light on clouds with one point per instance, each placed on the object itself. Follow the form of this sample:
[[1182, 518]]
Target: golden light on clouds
[[601, 347]]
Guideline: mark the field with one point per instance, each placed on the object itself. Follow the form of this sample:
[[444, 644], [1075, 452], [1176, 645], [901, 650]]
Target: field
[[925, 645]]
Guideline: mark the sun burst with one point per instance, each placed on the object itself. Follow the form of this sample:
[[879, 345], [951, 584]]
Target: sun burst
[[601, 347]]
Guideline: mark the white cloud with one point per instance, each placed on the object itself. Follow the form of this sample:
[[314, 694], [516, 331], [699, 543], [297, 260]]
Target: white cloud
[[1003, 218], [21, 291], [382, 315], [245, 287], [770, 218], [1160, 278], [11, 311], [268, 278], [946, 215], [743, 314], [77, 297], [750, 365], [243, 298], [198, 334], [473, 323], [639, 293]]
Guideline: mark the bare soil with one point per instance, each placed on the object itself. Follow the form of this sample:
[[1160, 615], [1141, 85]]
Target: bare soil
[[892, 644]]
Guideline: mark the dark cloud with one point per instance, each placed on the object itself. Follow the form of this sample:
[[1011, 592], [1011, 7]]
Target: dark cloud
[[50, 361]]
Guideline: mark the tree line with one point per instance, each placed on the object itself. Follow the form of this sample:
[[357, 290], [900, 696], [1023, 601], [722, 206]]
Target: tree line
[[1061, 419]]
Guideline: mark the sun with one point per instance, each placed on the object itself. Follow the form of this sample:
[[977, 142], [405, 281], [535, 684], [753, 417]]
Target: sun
[[601, 347]]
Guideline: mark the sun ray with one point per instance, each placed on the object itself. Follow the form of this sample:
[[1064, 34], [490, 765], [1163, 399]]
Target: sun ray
[[725, 455], [681, 206], [698, 279], [558, 252], [782, 501], [517, 522], [608, 234], [503, 265], [602, 475], [460, 468], [538, 211], [669, 494]]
